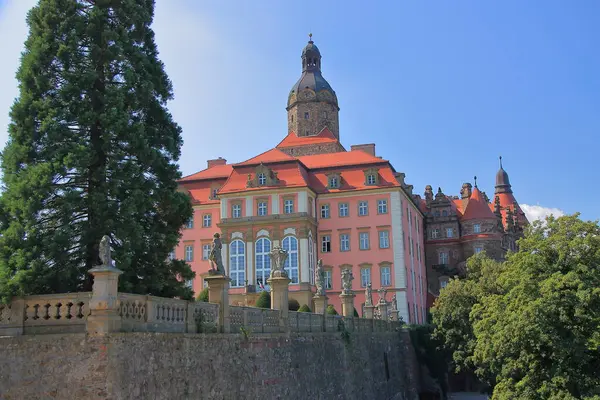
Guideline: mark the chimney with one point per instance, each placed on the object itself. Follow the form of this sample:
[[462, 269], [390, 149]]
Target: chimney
[[215, 162], [367, 148]]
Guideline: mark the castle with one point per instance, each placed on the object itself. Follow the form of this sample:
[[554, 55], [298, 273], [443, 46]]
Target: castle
[[350, 209]]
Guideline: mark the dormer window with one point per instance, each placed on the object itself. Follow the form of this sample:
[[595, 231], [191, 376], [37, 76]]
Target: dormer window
[[334, 181], [262, 179], [371, 177]]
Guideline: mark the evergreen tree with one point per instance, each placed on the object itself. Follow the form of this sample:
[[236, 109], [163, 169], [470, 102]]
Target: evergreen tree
[[92, 150], [304, 308], [331, 310], [264, 300]]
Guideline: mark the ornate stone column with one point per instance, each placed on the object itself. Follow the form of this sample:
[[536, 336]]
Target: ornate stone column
[[218, 293], [320, 298], [369, 311], [382, 305], [279, 283], [347, 305], [347, 297], [104, 304]]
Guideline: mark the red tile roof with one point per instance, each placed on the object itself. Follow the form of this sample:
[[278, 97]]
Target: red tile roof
[[352, 179], [477, 207], [292, 140], [341, 159], [268, 156], [289, 175], [218, 171]]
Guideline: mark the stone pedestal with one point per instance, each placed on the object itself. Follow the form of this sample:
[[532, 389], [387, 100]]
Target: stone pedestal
[[280, 299], [347, 305], [382, 306], [218, 293], [104, 304], [394, 315], [320, 304], [369, 312]]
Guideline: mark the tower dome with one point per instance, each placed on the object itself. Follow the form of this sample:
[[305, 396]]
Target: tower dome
[[312, 104], [502, 181]]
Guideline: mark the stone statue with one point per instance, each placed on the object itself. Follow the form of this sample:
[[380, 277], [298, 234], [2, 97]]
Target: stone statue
[[216, 261], [105, 255], [347, 279], [278, 257], [382, 292], [369, 295], [394, 303], [320, 278]]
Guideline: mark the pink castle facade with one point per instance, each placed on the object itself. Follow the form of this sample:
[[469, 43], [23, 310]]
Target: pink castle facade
[[350, 209]]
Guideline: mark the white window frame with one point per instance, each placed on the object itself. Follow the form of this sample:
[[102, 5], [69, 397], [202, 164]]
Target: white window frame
[[444, 257], [382, 206], [386, 275], [328, 279], [288, 206], [290, 244], [190, 223], [363, 241], [344, 242], [384, 239], [262, 262], [365, 276], [371, 179], [326, 244], [476, 228], [237, 263], [262, 179], [206, 220], [334, 182], [343, 209], [206, 251], [189, 252], [435, 233], [236, 211], [363, 208], [262, 208], [325, 211]]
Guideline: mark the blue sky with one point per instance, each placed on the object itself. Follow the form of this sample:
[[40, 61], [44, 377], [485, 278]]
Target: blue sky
[[442, 88]]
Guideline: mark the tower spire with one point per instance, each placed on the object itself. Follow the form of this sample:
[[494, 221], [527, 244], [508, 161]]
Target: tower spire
[[475, 179], [500, 162]]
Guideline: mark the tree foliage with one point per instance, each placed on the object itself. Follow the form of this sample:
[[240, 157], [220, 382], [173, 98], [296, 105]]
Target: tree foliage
[[531, 327], [331, 310], [203, 296], [264, 300], [92, 151], [304, 308]]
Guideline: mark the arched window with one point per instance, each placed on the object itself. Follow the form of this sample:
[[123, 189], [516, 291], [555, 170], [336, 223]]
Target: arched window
[[311, 261], [237, 263], [290, 244], [263, 263]]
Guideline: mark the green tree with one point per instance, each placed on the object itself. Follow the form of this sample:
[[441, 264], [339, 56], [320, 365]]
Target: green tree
[[203, 296], [331, 310], [304, 308], [264, 300], [536, 332], [92, 151]]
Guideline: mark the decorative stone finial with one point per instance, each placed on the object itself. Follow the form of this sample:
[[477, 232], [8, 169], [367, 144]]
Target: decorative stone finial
[[105, 253], [278, 257], [320, 278], [310, 38]]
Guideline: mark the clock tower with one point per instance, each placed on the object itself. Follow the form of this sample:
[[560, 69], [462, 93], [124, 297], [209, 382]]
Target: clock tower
[[312, 103]]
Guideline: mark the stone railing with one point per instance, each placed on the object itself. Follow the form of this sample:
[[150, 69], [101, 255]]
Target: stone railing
[[259, 320]]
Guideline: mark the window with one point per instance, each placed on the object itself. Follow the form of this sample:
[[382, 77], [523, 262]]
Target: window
[[364, 240], [444, 257], [365, 276], [172, 255], [386, 276], [443, 283], [382, 207], [189, 284], [449, 232], [306, 115], [288, 206], [190, 223], [206, 220], [328, 279], [343, 209], [344, 242], [476, 228], [214, 193], [371, 179], [435, 233], [261, 208], [262, 179], [189, 252], [325, 211], [384, 239], [236, 211], [262, 260], [444, 213], [290, 244], [311, 261], [334, 182], [237, 263], [363, 208], [325, 244], [205, 251], [478, 249]]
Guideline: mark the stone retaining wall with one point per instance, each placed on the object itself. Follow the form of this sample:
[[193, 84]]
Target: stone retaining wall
[[119, 366]]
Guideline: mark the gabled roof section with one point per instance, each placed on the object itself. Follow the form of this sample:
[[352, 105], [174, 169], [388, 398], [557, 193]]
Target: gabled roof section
[[477, 207], [290, 175], [341, 159], [216, 172], [292, 140], [268, 156]]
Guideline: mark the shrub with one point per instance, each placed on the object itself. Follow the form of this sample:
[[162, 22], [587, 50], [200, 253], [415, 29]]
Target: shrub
[[264, 300], [331, 310], [304, 308], [203, 296], [293, 305]]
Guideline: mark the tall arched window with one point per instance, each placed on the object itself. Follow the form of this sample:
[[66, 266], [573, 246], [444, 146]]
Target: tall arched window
[[311, 261], [237, 263], [290, 244], [263, 263]]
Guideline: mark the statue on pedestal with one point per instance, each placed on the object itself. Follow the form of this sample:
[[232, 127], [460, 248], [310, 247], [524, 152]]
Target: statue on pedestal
[[104, 249], [278, 257], [215, 258], [369, 295], [347, 279], [394, 303], [320, 279], [382, 292]]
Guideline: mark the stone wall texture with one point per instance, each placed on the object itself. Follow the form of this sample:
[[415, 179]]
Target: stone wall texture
[[197, 366]]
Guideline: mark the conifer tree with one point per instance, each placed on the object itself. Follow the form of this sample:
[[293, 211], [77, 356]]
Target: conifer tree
[[92, 150]]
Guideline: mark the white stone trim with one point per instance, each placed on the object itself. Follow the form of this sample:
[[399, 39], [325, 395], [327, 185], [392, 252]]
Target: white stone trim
[[262, 233], [275, 204], [302, 201], [237, 235], [224, 208], [303, 259], [250, 263], [402, 304], [289, 231], [397, 229], [249, 207]]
